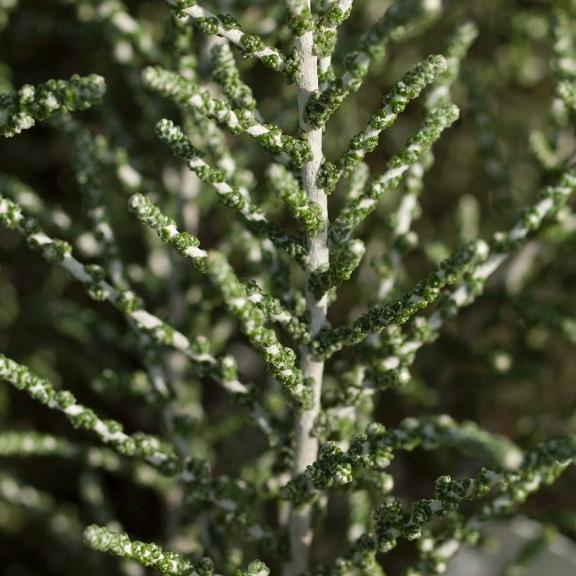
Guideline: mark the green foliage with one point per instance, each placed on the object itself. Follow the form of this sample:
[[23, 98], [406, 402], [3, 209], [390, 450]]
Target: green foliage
[[251, 299], [30, 104]]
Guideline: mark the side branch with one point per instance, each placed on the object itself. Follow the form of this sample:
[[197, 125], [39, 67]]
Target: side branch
[[223, 370], [380, 316], [393, 104], [188, 246], [280, 360], [20, 110], [387, 370], [191, 96], [226, 26], [506, 490], [402, 15], [149, 555], [230, 195], [110, 432], [418, 145], [376, 448]]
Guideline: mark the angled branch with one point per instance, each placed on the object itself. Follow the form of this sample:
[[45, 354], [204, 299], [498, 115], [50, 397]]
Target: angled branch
[[287, 187], [223, 370], [326, 36], [380, 316], [225, 25], [20, 110], [225, 72], [393, 104], [149, 555], [280, 360], [230, 195], [191, 96], [417, 146], [529, 221], [375, 450], [188, 246], [110, 432], [400, 16], [403, 238]]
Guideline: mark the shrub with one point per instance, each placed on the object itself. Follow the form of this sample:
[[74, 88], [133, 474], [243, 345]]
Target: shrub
[[246, 292]]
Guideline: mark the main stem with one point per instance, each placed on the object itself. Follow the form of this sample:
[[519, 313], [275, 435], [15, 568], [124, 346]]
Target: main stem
[[305, 444]]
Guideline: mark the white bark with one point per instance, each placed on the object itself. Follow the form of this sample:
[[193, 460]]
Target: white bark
[[305, 445]]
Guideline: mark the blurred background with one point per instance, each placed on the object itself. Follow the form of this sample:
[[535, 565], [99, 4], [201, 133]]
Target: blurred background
[[507, 362]]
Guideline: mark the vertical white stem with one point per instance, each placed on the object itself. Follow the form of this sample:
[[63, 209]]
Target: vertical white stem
[[305, 445]]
